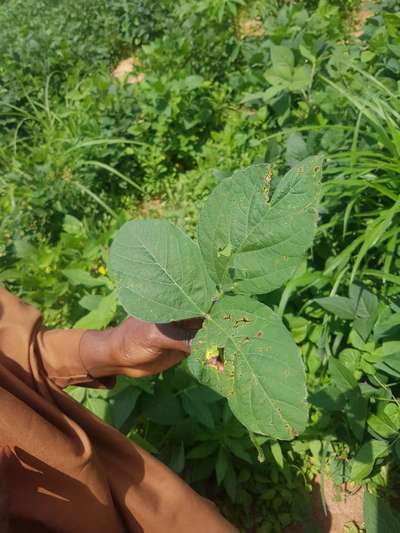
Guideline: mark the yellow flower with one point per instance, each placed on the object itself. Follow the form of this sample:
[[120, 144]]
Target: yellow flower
[[102, 270]]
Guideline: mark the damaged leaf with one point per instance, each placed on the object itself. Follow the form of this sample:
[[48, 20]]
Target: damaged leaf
[[262, 375]]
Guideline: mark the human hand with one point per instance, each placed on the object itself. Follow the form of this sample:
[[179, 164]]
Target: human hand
[[136, 348]]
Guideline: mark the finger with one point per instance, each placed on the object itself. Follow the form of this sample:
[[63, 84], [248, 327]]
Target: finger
[[172, 337], [190, 323], [170, 358]]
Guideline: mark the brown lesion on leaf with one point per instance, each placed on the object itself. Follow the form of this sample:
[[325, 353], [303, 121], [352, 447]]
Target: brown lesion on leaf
[[241, 320], [317, 168], [215, 358], [259, 334], [267, 184]]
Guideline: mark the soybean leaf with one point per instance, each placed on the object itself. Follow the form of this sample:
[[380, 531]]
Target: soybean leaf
[[123, 404], [221, 465], [197, 409], [100, 407], [159, 272], [366, 309], [388, 327], [364, 461], [277, 454], [379, 517], [296, 148], [77, 393], [163, 410], [328, 398], [382, 425], [356, 407], [390, 364], [392, 411], [246, 354], [142, 442], [230, 482], [90, 301], [177, 459], [338, 305], [282, 55], [252, 241], [357, 411], [101, 316], [78, 276], [342, 376], [205, 449]]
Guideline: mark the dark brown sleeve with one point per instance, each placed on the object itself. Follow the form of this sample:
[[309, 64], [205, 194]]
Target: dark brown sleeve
[[29, 350]]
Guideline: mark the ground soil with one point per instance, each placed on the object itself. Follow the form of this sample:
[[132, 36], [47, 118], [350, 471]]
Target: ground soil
[[127, 69], [344, 506]]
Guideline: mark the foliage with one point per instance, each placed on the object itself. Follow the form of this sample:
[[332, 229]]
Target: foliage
[[252, 246], [227, 84]]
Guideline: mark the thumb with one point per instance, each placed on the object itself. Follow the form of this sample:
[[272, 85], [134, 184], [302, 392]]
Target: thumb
[[173, 337]]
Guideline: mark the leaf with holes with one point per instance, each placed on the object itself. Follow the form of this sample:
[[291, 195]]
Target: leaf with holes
[[246, 354], [254, 232]]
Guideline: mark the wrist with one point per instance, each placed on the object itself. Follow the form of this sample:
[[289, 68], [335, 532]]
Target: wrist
[[98, 351]]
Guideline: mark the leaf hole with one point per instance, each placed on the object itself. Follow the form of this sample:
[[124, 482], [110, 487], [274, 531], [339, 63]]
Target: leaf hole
[[217, 361]]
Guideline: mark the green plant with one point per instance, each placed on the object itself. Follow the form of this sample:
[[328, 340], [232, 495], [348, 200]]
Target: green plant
[[226, 85], [250, 246]]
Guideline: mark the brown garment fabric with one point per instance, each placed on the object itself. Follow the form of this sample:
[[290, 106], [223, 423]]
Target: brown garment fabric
[[68, 471]]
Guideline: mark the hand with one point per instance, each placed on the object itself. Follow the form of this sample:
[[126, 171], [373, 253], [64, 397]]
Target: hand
[[137, 348]]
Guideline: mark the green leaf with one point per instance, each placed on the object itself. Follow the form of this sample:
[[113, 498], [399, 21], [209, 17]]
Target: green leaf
[[164, 409], [296, 148], [263, 374], [136, 437], [101, 316], [338, 305], [100, 407], [388, 327], [77, 393], [356, 411], [221, 466], [177, 459], [382, 425], [342, 376], [365, 304], [390, 364], [159, 272], [205, 449], [90, 301], [328, 398], [282, 55], [257, 241], [379, 517], [364, 461], [122, 405], [276, 451], [238, 448], [198, 410], [78, 276]]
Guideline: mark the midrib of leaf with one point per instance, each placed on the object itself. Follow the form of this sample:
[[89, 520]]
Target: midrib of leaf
[[271, 401]]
